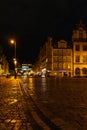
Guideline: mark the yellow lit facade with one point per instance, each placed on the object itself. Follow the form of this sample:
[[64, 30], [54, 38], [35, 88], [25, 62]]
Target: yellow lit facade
[[45, 57], [79, 39], [62, 59]]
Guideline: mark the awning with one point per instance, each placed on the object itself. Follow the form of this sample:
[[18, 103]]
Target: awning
[[62, 71]]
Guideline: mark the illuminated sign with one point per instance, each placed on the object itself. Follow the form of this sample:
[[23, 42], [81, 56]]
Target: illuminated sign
[[26, 67]]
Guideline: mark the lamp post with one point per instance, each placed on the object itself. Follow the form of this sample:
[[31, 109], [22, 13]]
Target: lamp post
[[12, 41]]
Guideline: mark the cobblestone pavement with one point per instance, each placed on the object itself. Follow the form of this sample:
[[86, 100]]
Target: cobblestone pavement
[[68, 105], [12, 116], [65, 98], [17, 111]]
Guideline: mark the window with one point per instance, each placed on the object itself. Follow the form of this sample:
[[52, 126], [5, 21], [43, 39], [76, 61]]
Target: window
[[85, 58], [69, 66], [60, 65], [77, 71], [77, 47], [64, 66], [77, 58], [84, 47], [84, 70]]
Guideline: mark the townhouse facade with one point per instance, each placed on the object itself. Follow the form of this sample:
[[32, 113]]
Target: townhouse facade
[[79, 40], [61, 59], [45, 57]]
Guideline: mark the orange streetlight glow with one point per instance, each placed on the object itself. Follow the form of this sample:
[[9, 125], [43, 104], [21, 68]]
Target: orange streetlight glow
[[12, 41]]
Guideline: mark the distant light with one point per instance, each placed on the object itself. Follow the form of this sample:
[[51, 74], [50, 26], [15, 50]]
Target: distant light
[[12, 41], [43, 70], [15, 62]]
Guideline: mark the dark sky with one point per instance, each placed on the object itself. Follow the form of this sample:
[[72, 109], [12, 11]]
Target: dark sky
[[32, 21]]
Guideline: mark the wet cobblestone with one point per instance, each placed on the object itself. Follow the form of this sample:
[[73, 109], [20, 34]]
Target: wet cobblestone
[[66, 100], [12, 116]]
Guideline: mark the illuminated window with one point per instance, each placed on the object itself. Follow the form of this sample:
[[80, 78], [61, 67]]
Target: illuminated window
[[64, 65], [69, 66], [77, 47], [77, 58]]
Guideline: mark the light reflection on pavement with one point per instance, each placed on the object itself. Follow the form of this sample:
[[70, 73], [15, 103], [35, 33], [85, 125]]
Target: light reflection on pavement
[[12, 116], [65, 98]]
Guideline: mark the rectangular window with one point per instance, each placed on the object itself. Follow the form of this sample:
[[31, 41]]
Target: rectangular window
[[84, 58], [84, 47], [77, 58], [77, 47]]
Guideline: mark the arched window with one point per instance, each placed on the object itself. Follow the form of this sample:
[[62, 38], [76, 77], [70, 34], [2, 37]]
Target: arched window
[[84, 70], [77, 71]]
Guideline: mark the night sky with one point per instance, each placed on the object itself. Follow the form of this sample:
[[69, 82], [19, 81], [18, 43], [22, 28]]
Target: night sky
[[30, 22]]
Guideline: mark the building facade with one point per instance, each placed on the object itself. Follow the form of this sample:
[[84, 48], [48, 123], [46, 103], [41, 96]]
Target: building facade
[[79, 39], [62, 59], [44, 63]]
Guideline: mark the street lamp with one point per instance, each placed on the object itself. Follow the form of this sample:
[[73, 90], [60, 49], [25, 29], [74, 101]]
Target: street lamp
[[12, 41]]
